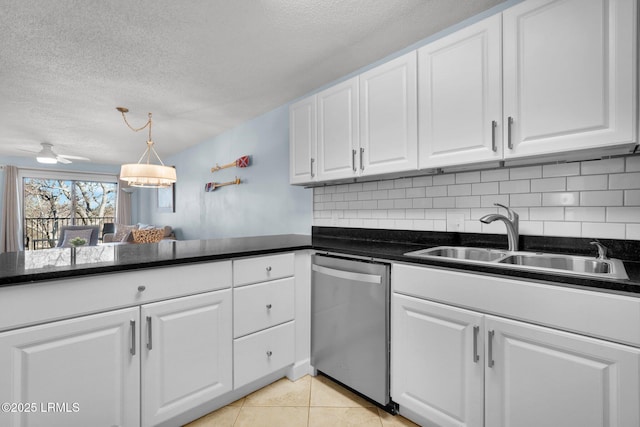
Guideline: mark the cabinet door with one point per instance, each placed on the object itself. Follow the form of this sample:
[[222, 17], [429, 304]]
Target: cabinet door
[[186, 354], [544, 377], [338, 133], [388, 117], [569, 75], [436, 370], [79, 372], [460, 96], [302, 141]]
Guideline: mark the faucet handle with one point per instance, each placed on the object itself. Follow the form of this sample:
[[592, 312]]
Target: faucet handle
[[602, 249], [513, 216]]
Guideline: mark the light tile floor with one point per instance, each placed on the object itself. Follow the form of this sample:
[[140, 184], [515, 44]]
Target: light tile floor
[[308, 402]]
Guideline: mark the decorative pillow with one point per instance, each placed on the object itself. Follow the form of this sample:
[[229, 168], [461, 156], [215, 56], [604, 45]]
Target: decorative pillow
[[123, 232], [148, 236], [69, 235]]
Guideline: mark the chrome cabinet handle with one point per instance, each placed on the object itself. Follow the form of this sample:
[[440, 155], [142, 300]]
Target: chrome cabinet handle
[[353, 160], [268, 306], [361, 157], [311, 167], [494, 125], [269, 353], [509, 125], [149, 334], [132, 348], [490, 362], [268, 269], [476, 357], [141, 288]]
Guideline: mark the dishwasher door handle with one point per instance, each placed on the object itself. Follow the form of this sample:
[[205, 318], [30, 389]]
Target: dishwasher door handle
[[347, 275]]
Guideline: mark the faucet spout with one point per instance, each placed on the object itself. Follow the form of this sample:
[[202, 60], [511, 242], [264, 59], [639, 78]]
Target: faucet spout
[[511, 222]]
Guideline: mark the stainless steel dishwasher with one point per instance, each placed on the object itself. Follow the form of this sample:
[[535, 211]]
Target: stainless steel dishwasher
[[350, 324]]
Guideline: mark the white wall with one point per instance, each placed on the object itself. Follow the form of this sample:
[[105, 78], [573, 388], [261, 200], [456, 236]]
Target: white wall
[[593, 199], [264, 204]]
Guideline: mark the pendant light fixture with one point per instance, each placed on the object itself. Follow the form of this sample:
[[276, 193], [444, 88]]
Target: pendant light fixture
[[146, 174]]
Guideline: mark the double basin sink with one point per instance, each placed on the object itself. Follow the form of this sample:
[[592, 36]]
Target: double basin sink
[[557, 263]]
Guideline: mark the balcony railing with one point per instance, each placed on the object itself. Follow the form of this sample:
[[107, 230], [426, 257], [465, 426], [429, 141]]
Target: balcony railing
[[43, 232]]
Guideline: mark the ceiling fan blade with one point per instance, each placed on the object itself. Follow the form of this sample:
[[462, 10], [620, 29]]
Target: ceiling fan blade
[[29, 151], [63, 160], [66, 156]]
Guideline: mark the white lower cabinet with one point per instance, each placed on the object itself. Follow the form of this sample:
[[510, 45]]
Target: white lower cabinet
[[186, 354], [75, 373], [262, 353], [456, 367]]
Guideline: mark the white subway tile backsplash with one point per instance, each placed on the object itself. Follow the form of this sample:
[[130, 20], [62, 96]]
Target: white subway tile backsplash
[[397, 193], [561, 199], [467, 177], [624, 180], [444, 202], [423, 181], [632, 197], [633, 163], [402, 203], [520, 186], [494, 175], [459, 190], [526, 199], [592, 199], [478, 189], [592, 214], [548, 184], [446, 179], [437, 191], [525, 172], [564, 229], [490, 200], [603, 230], [468, 202], [546, 214], [594, 167], [561, 169], [415, 192], [587, 182], [423, 203], [633, 231], [601, 198], [623, 214]]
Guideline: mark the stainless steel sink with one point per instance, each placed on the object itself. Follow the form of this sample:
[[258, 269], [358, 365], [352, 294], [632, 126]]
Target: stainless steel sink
[[460, 253], [570, 263], [557, 263]]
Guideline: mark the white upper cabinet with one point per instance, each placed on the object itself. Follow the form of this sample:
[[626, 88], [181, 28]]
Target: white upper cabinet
[[569, 75], [338, 131], [388, 117], [302, 141], [460, 96]]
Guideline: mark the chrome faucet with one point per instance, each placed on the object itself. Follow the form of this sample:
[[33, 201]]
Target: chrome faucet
[[511, 221], [602, 249]]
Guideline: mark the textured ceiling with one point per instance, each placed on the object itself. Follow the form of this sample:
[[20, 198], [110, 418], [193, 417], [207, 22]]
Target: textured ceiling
[[200, 66]]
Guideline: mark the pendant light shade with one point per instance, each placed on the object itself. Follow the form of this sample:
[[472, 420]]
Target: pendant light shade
[[146, 174]]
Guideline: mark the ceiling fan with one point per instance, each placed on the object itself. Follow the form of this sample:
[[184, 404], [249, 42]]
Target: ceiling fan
[[46, 155]]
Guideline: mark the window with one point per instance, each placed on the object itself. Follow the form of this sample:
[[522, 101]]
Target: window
[[49, 202]]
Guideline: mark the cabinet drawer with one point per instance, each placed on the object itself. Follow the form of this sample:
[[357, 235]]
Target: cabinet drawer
[[261, 269], [262, 305], [262, 353]]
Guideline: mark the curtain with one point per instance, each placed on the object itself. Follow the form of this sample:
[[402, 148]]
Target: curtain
[[123, 212], [10, 234]]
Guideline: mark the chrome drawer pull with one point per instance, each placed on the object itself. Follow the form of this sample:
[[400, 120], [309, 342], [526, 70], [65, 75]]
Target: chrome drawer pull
[[490, 362], [141, 288], [268, 306], [476, 356], [269, 353], [132, 348], [269, 269], [149, 334]]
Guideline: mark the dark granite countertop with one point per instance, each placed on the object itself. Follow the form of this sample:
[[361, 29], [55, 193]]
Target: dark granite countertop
[[30, 266]]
